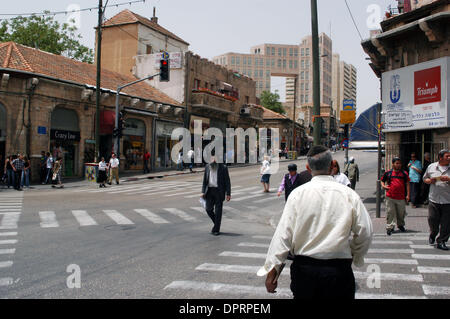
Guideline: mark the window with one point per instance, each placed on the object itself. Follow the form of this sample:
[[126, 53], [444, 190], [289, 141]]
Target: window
[[279, 63], [290, 64], [302, 75], [284, 64], [306, 98], [244, 60], [302, 52], [273, 50], [295, 52], [307, 75], [206, 85], [261, 62], [238, 60], [279, 51], [260, 73], [196, 84], [148, 49], [291, 52], [233, 60], [284, 51], [303, 64], [273, 62], [307, 51], [249, 61], [295, 64], [256, 73], [267, 85], [302, 86], [260, 84], [267, 74], [302, 99], [267, 62], [307, 86], [307, 64]]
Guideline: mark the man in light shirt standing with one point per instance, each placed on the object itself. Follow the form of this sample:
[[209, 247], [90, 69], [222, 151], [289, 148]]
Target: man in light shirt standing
[[315, 226], [114, 169]]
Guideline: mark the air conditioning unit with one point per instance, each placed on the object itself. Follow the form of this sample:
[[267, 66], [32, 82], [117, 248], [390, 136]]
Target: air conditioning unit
[[245, 111]]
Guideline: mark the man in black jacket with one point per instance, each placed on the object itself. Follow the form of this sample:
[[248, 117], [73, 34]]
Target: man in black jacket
[[216, 187], [292, 180]]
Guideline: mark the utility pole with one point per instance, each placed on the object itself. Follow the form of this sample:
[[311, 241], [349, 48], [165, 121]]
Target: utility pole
[[378, 207], [98, 93], [294, 146], [316, 73]]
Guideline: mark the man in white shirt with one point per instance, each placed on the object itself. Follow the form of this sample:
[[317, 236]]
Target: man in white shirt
[[315, 227], [114, 169]]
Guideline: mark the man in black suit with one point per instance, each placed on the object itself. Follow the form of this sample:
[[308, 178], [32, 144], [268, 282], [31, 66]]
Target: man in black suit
[[216, 187]]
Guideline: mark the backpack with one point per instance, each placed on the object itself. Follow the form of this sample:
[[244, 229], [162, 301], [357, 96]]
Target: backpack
[[388, 174]]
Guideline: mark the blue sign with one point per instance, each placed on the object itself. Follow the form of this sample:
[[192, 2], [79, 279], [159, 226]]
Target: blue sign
[[42, 130], [345, 143], [165, 55], [349, 105]]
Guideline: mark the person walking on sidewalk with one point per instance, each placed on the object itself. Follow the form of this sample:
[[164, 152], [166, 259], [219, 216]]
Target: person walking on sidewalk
[[18, 165], [415, 173], [396, 184], [191, 155], [113, 167], [315, 227], [102, 167], [146, 162], [43, 167], [292, 180], [215, 189], [437, 176], [352, 172], [57, 172], [25, 180], [265, 172], [338, 176], [50, 164]]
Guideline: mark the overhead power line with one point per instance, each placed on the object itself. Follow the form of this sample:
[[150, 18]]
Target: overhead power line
[[353, 19], [54, 13]]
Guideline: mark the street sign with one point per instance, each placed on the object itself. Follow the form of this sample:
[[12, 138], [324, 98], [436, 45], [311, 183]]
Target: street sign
[[165, 55], [348, 117], [42, 130], [349, 105], [176, 59]]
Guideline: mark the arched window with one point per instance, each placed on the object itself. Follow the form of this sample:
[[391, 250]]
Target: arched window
[[64, 119]]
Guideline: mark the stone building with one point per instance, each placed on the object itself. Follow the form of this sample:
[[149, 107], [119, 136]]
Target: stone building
[[47, 103], [411, 57]]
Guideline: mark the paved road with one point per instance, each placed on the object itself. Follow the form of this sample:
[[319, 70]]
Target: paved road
[[150, 239]]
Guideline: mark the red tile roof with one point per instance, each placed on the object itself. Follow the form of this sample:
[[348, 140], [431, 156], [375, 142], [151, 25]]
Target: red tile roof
[[22, 58], [270, 115], [128, 17]]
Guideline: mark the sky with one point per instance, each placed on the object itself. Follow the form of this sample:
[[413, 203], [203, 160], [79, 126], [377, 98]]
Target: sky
[[214, 27]]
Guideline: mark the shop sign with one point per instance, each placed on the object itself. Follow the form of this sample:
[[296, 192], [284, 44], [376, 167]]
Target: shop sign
[[65, 135]]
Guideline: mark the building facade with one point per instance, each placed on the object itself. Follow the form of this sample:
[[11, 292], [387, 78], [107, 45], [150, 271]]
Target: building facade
[[411, 57], [343, 84]]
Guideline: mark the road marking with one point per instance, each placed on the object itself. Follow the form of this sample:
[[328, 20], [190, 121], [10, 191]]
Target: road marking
[[430, 256], [433, 270], [243, 255], [391, 251], [10, 220], [48, 219], [182, 193], [6, 281], [8, 233], [7, 210], [390, 276], [273, 198], [435, 290], [234, 268], [118, 217], [386, 296], [7, 251], [247, 197], [421, 246], [257, 245], [228, 288], [8, 242], [245, 190], [181, 214], [151, 216], [83, 218], [6, 264], [390, 261], [393, 242]]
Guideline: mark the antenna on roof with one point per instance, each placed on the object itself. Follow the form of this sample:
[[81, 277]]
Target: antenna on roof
[[154, 18]]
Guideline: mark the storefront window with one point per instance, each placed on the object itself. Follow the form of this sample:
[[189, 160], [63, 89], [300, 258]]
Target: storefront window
[[164, 144], [134, 144]]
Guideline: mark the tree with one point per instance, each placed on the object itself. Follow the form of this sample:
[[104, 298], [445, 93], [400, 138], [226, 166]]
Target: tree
[[46, 34], [272, 101]]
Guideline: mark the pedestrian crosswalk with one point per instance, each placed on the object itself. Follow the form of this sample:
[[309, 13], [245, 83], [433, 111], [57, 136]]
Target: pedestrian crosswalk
[[413, 268]]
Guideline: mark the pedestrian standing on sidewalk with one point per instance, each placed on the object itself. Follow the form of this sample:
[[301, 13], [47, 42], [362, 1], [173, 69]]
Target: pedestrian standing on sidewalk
[[396, 184], [437, 176], [9, 172], [113, 167], [338, 176], [425, 187], [315, 226], [191, 155], [292, 180], [25, 180], [265, 172], [415, 173], [352, 172], [57, 172], [50, 164], [42, 167], [18, 165], [102, 167], [215, 189], [146, 162]]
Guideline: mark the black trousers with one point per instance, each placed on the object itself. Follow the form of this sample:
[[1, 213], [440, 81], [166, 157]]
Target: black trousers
[[214, 204], [439, 221], [415, 191], [328, 279], [18, 178]]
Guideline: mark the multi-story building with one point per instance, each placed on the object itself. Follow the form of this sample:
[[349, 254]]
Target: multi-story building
[[411, 56], [344, 84]]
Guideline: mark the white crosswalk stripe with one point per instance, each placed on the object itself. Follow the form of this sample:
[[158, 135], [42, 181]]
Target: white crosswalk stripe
[[6, 281], [435, 290], [433, 270], [7, 251], [430, 256], [262, 237], [392, 242], [421, 247], [8, 233], [389, 276], [181, 214], [242, 254], [83, 218], [117, 217], [239, 199], [10, 220], [256, 245], [6, 264], [48, 219], [390, 251], [151, 216], [390, 261], [8, 242]]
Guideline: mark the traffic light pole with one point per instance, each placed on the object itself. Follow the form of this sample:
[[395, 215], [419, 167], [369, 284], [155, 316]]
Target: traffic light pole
[[316, 74], [117, 128]]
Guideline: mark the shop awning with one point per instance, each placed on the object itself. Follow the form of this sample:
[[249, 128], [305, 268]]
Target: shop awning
[[107, 122]]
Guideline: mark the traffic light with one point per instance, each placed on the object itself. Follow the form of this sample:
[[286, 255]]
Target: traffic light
[[121, 127], [164, 71]]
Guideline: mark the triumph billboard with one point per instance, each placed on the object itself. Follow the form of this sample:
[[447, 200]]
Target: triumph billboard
[[416, 97]]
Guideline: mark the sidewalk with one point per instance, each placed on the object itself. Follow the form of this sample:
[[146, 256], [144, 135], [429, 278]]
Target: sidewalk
[[416, 220]]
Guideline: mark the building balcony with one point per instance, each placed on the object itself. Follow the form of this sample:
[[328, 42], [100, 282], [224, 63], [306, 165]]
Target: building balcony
[[252, 111], [212, 102]]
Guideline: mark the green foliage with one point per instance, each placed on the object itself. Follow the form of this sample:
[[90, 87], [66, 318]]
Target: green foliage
[[46, 34], [272, 102]]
